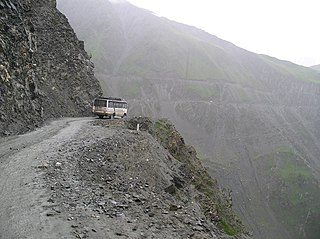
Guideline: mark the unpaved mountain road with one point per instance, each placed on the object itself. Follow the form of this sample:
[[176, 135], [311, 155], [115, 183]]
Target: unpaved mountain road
[[23, 196], [91, 178]]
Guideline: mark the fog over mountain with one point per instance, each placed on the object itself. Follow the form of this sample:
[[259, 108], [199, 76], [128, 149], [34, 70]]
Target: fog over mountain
[[316, 67], [254, 118]]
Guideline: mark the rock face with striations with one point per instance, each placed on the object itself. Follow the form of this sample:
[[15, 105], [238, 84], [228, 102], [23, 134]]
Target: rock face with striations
[[44, 69]]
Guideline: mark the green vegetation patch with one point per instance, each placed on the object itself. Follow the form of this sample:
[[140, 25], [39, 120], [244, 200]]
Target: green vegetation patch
[[203, 91], [294, 193], [292, 169], [295, 200], [292, 70], [284, 149], [227, 228]]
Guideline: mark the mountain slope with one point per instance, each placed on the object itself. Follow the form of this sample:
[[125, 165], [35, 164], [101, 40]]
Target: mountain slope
[[316, 67], [44, 69], [254, 118], [147, 46]]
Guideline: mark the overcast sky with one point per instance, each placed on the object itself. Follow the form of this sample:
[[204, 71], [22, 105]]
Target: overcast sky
[[284, 29]]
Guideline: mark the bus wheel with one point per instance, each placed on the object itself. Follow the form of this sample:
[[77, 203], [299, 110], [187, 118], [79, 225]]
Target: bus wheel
[[100, 116]]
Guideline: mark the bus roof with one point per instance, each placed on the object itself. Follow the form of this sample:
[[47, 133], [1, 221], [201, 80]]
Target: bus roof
[[108, 98]]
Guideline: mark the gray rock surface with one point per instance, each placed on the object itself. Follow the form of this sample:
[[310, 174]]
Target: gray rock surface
[[44, 69]]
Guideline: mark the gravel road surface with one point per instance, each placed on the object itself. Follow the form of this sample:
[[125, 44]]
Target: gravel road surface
[[91, 178], [23, 195]]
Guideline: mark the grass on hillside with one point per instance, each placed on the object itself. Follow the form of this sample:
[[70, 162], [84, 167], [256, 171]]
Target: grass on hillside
[[292, 70], [294, 194]]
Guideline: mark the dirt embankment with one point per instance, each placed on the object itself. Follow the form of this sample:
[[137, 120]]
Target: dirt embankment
[[82, 178]]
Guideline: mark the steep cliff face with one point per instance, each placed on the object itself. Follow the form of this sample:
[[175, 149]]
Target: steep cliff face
[[44, 69]]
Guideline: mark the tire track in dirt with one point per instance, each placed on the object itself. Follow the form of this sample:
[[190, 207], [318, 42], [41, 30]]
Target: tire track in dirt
[[23, 196]]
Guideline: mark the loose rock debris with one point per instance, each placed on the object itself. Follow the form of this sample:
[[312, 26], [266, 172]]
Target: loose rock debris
[[112, 182]]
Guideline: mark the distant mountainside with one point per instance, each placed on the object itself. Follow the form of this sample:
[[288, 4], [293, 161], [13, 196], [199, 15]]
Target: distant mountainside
[[44, 69], [254, 118], [316, 67], [141, 44]]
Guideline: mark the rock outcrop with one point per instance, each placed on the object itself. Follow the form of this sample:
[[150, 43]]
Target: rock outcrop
[[44, 70]]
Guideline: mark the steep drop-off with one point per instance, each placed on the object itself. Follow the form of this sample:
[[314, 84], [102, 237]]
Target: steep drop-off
[[44, 69], [254, 118]]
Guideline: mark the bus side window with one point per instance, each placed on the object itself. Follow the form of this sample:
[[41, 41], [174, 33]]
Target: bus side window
[[99, 103], [110, 104]]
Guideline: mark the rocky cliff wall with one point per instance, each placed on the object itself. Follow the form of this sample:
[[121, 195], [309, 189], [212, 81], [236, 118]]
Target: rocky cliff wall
[[44, 69]]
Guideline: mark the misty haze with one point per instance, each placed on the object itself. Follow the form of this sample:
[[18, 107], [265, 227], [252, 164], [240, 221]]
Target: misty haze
[[217, 142]]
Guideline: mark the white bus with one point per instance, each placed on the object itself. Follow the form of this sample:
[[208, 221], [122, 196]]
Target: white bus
[[109, 107]]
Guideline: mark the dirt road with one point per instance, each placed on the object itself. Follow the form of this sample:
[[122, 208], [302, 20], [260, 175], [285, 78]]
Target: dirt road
[[23, 196], [90, 178]]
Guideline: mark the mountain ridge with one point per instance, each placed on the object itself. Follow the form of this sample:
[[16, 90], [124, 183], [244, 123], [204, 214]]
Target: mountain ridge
[[253, 118], [168, 32], [316, 67]]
